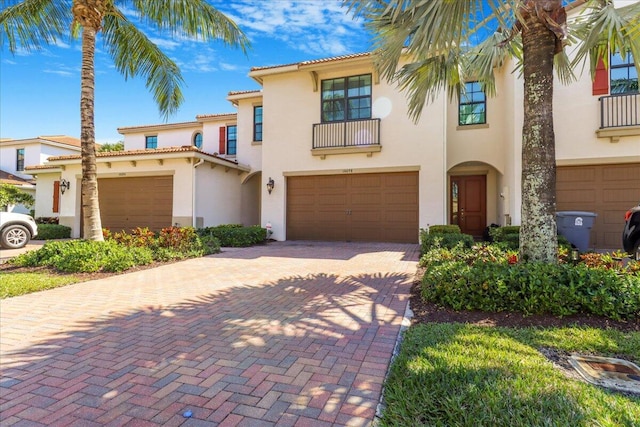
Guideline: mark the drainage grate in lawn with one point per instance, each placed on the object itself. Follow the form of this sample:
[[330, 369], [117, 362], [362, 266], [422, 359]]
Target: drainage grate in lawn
[[607, 372]]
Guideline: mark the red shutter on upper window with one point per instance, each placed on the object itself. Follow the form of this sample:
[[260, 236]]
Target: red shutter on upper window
[[223, 140], [56, 197], [601, 80]]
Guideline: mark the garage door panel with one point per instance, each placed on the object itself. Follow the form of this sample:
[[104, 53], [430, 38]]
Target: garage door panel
[[621, 173], [127, 203], [585, 173], [358, 207], [607, 190]]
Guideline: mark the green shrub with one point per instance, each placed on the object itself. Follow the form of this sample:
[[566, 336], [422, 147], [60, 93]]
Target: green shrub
[[508, 237], [490, 279], [443, 236], [235, 235], [444, 229], [171, 243], [53, 231], [84, 256]]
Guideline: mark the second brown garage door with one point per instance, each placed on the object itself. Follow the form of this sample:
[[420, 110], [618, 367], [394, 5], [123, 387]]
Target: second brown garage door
[[607, 190], [127, 203], [377, 207]]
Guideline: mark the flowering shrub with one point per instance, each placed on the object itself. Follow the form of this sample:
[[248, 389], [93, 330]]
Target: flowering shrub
[[486, 277]]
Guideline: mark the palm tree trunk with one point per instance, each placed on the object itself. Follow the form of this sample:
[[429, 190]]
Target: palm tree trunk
[[92, 229], [538, 241]]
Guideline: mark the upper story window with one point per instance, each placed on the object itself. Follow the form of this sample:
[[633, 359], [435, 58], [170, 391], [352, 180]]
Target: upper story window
[[232, 140], [473, 105], [151, 141], [347, 98], [624, 76], [257, 123], [197, 140], [20, 159]]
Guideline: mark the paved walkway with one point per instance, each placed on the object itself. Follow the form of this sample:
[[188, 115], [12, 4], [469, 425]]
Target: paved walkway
[[287, 334]]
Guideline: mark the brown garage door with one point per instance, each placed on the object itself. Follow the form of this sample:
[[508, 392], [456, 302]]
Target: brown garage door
[[380, 207], [607, 190], [127, 203]]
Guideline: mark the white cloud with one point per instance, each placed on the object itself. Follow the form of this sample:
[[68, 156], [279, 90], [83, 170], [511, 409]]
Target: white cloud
[[63, 73], [165, 43], [9, 61], [313, 26], [63, 70]]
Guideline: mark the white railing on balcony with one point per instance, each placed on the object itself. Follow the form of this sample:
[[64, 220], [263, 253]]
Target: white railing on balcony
[[353, 133]]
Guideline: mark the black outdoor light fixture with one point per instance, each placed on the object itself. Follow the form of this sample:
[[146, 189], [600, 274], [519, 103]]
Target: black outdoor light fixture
[[270, 185], [575, 256], [64, 185]]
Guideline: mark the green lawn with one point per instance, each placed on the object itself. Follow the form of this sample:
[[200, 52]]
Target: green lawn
[[14, 284], [461, 375]]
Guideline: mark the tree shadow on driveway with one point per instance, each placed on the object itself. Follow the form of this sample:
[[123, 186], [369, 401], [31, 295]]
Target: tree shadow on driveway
[[300, 349]]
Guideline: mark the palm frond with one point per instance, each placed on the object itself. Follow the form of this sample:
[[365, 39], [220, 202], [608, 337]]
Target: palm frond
[[492, 53], [424, 80], [602, 29], [192, 18], [135, 55], [33, 24], [436, 38]]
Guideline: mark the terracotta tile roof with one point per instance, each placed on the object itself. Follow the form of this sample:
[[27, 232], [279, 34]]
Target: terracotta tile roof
[[156, 125], [9, 178], [59, 139], [244, 92], [145, 152], [316, 61], [213, 116], [39, 167], [62, 139]]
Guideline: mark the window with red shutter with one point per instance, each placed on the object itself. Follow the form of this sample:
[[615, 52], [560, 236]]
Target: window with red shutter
[[600, 85], [223, 140], [56, 197]]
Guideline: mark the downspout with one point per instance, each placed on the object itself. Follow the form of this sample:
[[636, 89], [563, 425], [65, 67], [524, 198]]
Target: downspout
[[445, 102], [193, 192]]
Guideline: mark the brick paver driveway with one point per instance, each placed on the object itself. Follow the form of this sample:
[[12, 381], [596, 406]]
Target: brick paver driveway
[[296, 334]]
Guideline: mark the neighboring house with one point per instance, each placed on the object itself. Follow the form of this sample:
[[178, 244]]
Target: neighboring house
[[18, 154], [28, 186], [347, 164]]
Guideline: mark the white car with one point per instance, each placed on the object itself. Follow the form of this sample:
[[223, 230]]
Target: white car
[[16, 230]]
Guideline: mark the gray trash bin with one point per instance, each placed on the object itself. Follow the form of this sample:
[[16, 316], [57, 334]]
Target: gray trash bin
[[576, 227]]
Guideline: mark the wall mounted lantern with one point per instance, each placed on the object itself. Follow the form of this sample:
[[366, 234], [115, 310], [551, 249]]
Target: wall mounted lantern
[[64, 185], [575, 256], [270, 185]]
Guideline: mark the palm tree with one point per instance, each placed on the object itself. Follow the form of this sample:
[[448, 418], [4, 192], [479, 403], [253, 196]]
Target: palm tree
[[447, 42], [32, 24]]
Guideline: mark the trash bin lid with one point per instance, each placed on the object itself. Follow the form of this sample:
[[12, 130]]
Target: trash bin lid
[[576, 213]]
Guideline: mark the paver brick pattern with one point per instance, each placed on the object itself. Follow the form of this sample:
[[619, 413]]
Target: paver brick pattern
[[285, 334]]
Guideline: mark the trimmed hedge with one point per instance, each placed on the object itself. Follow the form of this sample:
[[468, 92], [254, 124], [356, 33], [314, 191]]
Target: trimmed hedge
[[53, 231], [235, 235], [443, 236], [509, 237], [492, 280]]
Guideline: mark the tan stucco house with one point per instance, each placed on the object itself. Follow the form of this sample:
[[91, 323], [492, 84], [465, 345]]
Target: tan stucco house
[[346, 163], [17, 154]]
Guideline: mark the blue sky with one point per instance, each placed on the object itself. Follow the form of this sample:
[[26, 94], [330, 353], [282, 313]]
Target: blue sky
[[40, 91]]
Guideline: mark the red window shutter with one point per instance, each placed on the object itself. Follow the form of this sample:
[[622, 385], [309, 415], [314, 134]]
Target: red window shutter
[[56, 197], [223, 140], [601, 80]]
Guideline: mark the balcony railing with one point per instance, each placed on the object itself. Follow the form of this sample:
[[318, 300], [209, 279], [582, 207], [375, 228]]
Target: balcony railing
[[354, 133], [620, 110]]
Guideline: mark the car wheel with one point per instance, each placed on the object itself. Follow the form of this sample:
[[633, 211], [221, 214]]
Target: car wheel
[[14, 236]]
